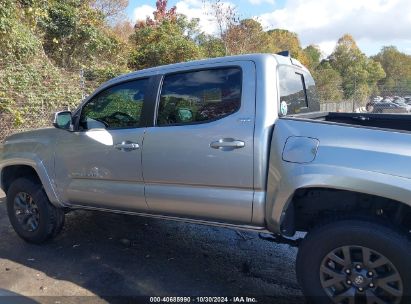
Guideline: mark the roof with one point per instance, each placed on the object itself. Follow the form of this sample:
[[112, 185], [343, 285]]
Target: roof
[[257, 58]]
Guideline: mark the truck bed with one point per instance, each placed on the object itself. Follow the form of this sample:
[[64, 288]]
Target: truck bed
[[400, 122]]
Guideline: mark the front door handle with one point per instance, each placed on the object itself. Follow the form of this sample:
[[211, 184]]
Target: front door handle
[[227, 144], [127, 146]]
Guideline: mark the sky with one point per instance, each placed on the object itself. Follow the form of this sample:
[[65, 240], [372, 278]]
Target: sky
[[372, 23]]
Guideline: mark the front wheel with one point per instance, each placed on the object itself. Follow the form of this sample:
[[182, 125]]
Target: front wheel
[[355, 261], [31, 214]]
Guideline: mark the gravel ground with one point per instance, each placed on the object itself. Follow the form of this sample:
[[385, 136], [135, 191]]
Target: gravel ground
[[99, 256]]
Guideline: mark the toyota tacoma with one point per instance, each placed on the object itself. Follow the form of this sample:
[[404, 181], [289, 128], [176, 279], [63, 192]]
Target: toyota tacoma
[[235, 142]]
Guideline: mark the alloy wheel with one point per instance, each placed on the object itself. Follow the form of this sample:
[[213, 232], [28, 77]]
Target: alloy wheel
[[357, 274], [26, 211]]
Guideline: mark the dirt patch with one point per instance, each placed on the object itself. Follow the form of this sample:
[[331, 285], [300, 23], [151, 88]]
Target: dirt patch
[[101, 255]]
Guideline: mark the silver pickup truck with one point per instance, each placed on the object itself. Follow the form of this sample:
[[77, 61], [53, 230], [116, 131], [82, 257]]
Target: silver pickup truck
[[236, 142]]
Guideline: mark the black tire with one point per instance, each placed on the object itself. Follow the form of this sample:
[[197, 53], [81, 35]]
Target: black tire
[[358, 235], [50, 218]]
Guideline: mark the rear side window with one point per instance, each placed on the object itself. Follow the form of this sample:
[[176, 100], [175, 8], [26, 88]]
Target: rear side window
[[297, 91], [200, 96]]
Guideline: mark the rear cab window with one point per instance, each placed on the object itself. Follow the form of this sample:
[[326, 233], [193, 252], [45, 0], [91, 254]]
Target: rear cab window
[[297, 91]]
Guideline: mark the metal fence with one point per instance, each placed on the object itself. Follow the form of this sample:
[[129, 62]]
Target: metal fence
[[18, 119], [8, 124], [342, 106], [31, 93], [377, 104]]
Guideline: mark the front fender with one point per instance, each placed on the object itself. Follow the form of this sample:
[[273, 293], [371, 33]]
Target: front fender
[[35, 149], [281, 188]]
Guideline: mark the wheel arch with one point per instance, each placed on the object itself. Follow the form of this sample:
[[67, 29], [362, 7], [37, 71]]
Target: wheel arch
[[15, 169], [11, 173], [310, 206]]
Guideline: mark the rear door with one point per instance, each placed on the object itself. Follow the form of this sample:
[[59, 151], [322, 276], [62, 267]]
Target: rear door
[[198, 157]]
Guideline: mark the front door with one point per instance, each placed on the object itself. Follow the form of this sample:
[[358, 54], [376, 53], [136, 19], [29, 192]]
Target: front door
[[198, 158], [99, 165]]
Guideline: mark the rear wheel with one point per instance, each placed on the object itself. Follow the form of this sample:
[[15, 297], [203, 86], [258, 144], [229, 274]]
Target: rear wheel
[[355, 261], [31, 214]]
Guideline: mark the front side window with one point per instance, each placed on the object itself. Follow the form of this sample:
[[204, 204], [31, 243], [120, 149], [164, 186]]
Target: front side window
[[117, 107], [200, 96]]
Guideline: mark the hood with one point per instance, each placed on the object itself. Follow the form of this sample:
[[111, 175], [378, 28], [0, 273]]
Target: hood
[[32, 141], [37, 135]]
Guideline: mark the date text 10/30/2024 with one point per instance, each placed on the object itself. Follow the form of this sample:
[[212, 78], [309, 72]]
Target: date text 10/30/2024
[[203, 300]]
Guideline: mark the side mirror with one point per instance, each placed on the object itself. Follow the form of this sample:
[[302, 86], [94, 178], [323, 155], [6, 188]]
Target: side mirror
[[63, 120]]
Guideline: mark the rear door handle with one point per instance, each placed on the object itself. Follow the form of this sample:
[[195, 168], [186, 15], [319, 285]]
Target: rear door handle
[[127, 146], [227, 144]]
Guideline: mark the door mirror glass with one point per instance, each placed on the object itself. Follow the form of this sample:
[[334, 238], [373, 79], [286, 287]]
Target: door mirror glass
[[63, 120]]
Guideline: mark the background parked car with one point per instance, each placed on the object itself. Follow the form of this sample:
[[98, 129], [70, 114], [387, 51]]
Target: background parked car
[[389, 105], [401, 101]]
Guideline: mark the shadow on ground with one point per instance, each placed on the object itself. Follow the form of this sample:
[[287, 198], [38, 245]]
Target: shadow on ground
[[111, 255]]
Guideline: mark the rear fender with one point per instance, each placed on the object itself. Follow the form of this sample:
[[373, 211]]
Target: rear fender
[[281, 188]]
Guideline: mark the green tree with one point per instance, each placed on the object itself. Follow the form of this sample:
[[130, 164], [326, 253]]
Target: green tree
[[77, 35], [397, 67], [359, 73], [40, 43], [329, 82], [17, 39], [211, 46], [313, 54], [284, 40], [168, 38], [246, 37]]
